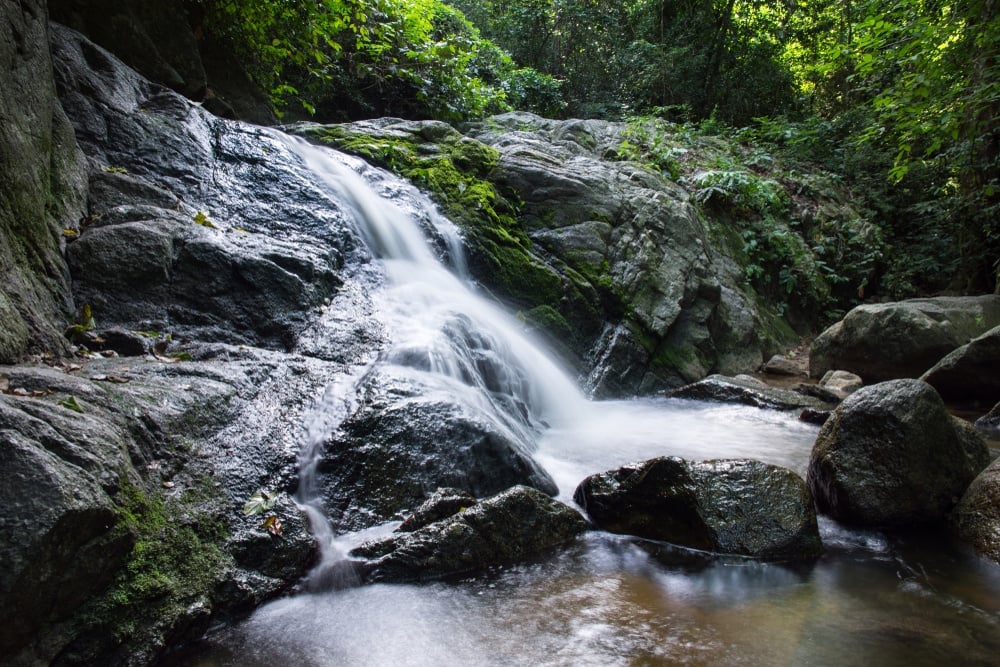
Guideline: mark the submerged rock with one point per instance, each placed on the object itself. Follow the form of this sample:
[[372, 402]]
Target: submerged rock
[[976, 518], [971, 373], [513, 526], [901, 339], [891, 455], [738, 507], [748, 391]]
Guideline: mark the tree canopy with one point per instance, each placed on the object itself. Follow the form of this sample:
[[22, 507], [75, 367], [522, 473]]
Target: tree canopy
[[901, 97]]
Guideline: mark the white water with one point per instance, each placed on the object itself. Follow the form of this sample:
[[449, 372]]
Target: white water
[[605, 601]]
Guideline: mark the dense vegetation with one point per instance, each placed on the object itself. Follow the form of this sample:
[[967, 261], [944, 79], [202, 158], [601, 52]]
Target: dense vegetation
[[899, 99]]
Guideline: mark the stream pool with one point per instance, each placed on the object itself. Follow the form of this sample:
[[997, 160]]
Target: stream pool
[[871, 599]]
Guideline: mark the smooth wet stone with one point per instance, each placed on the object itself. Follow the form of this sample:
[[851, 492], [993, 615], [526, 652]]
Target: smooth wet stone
[[513, 526], [891, 455], [739, 507], [748, 391]]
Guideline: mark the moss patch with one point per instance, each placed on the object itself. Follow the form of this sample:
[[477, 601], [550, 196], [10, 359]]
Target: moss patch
[[453, 170], [174, 563]]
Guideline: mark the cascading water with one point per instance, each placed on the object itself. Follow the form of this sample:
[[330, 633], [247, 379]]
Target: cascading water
[[440, 328], [605, 601]]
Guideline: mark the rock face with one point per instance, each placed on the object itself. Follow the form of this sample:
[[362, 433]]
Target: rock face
[[739, 507], [43, 187], [891, 455], [902, 339], [166, 42], [976, 518], [970, 373], [177, 266], [515, 525], [607, 259]]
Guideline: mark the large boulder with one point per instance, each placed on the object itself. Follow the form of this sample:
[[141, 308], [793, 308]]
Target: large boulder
[[970, 374], [411, 433], [517, 524], [43, 179], [976, 518], [891, 455], [902, 339], [740, 507]]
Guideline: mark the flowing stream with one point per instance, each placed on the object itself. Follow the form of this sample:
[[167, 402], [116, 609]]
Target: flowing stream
[[606, 600]]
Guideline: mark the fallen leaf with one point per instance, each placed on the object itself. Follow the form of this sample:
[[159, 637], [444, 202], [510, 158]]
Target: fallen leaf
[[4, 383], [273, 525], [168, 485], [19, 391]]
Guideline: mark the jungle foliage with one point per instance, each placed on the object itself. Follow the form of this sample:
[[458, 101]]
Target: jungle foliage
[[898, 98]]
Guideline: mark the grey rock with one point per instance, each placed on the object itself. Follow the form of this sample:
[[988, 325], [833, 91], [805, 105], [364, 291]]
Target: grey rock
[[891, 455], [842, 383], [971, 373], [748, 391], [738, 507], [903, 339], [990, 422], [976, 518], [781, 365], [43, 191], [513, 526], [442, 504], [411, 434]]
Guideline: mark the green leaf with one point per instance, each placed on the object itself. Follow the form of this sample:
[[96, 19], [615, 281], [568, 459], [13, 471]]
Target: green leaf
[[71, 404], [261, 501]]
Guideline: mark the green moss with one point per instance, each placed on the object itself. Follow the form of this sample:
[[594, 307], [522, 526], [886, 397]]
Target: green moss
[[454, 170], [549, 319], [174, 562]]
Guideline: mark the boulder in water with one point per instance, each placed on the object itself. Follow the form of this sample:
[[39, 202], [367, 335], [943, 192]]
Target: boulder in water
[[901, 339], [412, 433], [442, 504], [739, 507], [976, 518], [891, 455], [515, 525]]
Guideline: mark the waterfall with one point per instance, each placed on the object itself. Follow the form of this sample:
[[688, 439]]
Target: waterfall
[[440, 326]]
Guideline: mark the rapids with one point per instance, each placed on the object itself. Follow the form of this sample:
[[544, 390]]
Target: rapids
[[606, 600]]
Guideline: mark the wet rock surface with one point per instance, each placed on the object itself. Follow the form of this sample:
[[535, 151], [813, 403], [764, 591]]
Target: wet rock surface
[[750, 391], [513, 526], [891, 455], [902, 339], [412, 433], [737, 507], [976, 518], [971, 373]]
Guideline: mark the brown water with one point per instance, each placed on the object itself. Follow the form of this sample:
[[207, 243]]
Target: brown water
[[872, 599]]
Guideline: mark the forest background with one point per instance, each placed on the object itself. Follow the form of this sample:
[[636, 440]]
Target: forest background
[[899, 100]]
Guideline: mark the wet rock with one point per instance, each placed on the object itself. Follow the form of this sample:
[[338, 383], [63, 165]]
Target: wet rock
[[739, 507], [990, 421], [891, 455], [781, 365], [970, 374], [412, 433], [442, 504], [513, 526], [814, 416], [817, 391], [43, 191], [748, 391], [901, 339], [976, 518]]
